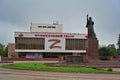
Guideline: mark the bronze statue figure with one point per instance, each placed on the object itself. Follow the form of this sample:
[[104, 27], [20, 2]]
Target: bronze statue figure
[[89, 25]]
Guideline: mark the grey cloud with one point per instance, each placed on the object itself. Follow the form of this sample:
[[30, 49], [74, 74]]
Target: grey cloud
[[71, 13]]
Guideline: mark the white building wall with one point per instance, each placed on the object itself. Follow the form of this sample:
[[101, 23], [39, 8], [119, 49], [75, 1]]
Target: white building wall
[[56, 28], [51, 36]]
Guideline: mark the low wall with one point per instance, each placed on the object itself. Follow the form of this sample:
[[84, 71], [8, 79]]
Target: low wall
[[117, 58], [109, 58], [29, 59], [74, 59]]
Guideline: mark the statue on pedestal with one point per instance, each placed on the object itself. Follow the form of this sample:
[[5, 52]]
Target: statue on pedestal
[[92, 50], [89, 25]]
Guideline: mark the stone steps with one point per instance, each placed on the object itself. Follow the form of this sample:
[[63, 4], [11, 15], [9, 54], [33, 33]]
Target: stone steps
[[103, 64], [98, 64]]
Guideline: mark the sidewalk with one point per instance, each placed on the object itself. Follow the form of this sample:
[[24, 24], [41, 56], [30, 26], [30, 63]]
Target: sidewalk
[[35, 61]]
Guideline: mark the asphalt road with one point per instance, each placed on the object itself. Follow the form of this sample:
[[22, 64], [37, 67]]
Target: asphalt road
[[11, 74]]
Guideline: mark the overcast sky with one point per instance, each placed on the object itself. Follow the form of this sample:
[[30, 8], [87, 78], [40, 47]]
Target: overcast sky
[[16, 15]]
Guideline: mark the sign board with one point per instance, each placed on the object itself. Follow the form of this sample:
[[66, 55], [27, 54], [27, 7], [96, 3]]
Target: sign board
[[50, 35], [55, 44]]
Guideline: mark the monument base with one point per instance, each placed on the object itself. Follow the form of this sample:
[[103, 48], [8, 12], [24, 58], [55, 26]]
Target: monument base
[[92, 51], [74, 59], [77, 59]]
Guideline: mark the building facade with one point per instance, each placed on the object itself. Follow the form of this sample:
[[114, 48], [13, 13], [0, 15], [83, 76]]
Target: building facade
[[11, 50], [48, 41]]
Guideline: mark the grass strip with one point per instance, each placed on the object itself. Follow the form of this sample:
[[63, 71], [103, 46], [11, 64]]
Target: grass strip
[[43, 67]]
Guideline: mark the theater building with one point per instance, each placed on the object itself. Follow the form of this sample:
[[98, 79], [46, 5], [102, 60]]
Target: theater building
[[48, 41]]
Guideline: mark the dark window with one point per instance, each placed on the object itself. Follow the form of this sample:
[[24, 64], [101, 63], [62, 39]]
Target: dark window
[[44, 26], [76, 44], [39, 26], [53, 27], [30, 43], [49, 26]]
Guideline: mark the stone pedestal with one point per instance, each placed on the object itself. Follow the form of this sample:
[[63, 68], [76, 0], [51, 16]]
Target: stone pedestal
[[85, 59], [74, 59], [92, 51]]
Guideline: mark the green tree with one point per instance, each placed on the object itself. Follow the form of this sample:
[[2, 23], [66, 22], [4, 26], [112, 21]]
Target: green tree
[[104, 51], [1, 49], [112, 49], [5, 53], [118, 43], [109, 50]]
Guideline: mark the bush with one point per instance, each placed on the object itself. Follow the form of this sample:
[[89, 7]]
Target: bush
[[94, 67], [35, 64], [110, 69]]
